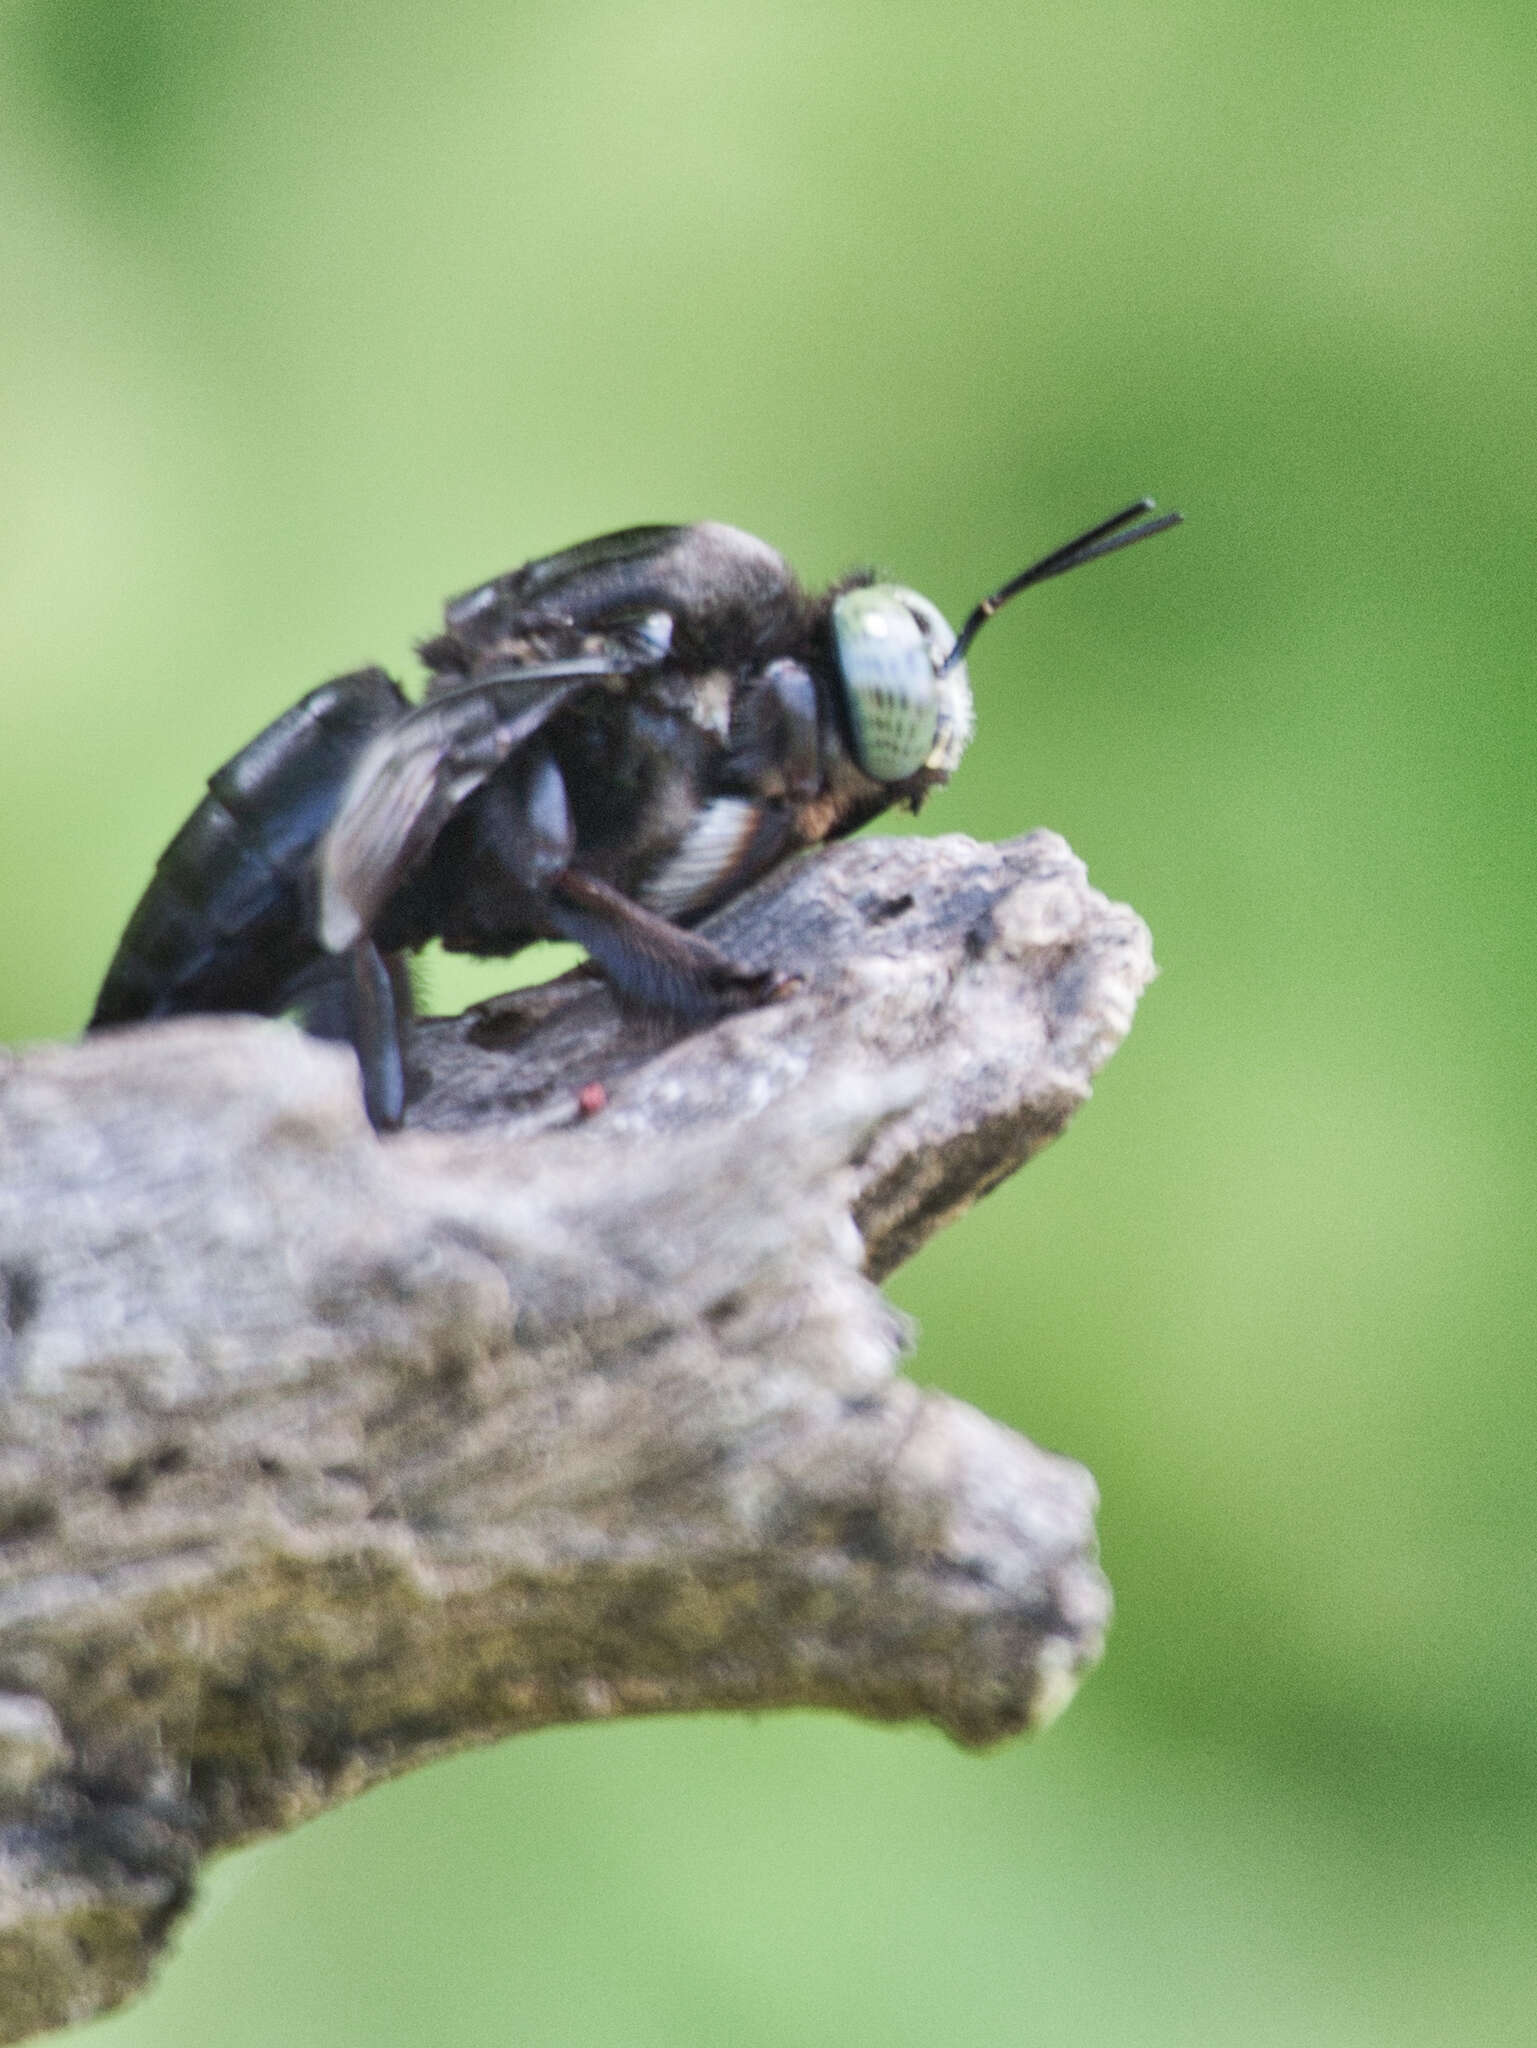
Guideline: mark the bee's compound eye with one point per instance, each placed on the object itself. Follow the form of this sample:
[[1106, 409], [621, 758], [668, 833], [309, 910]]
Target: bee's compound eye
[[890, 645]]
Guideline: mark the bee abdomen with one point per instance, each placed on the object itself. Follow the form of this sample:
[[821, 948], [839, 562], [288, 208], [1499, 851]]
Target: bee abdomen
[[221, 925]]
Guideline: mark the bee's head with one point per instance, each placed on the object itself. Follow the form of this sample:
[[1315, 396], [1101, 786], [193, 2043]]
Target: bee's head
[[904, 672], [909, 704]]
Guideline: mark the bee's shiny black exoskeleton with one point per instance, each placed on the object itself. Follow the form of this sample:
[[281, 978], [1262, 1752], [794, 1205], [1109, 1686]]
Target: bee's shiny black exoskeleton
[[614, 742]]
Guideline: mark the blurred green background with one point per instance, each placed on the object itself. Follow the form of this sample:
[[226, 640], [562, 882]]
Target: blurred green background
[[311, 315]]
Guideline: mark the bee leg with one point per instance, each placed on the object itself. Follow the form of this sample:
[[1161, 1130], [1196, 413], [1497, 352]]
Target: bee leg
[[775, 746], [376, 1029], [360, 998], [795, 695], [524, 825], [526, 817], [649, 961]]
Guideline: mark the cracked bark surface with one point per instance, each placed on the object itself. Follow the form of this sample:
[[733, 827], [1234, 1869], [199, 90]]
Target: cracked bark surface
[[321, 1456]]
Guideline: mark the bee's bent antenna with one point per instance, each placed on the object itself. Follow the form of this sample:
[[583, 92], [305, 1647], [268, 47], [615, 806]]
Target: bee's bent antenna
[[1103, 539]]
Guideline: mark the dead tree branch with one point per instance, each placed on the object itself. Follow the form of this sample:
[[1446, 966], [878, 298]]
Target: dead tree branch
[[322, 1456]]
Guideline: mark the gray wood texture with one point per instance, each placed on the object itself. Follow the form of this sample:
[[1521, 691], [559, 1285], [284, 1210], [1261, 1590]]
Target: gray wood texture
[[321, 1456]]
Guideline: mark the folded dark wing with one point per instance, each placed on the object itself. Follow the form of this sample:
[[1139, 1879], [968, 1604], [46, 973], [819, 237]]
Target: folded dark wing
[[412, 778]]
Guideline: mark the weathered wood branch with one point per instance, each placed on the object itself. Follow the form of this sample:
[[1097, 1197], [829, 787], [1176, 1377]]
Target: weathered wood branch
[[321, 1456]]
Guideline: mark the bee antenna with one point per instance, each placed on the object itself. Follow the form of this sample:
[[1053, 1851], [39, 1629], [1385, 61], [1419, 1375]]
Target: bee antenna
[[1103, 539]]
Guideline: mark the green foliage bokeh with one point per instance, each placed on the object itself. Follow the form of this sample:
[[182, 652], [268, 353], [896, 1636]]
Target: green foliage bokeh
[[311, 315]]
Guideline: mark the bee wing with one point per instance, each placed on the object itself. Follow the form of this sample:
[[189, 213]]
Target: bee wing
[[410, 780], [618, 582]]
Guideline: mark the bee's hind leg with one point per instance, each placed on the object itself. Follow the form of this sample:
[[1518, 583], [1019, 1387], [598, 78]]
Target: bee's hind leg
[[361, 998]]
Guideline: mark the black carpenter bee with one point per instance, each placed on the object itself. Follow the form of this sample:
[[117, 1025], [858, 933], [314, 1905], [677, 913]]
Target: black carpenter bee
[[614, 741]]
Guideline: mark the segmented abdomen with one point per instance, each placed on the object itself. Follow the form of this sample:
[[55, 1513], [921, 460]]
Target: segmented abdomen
[[222, 925]]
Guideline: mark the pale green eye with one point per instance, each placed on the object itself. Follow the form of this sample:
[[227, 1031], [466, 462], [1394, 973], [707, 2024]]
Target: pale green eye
[[890, 645]]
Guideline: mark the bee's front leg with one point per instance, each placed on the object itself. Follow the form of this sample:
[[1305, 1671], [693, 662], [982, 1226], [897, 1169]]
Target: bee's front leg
[[649, 961], [775, 747]]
